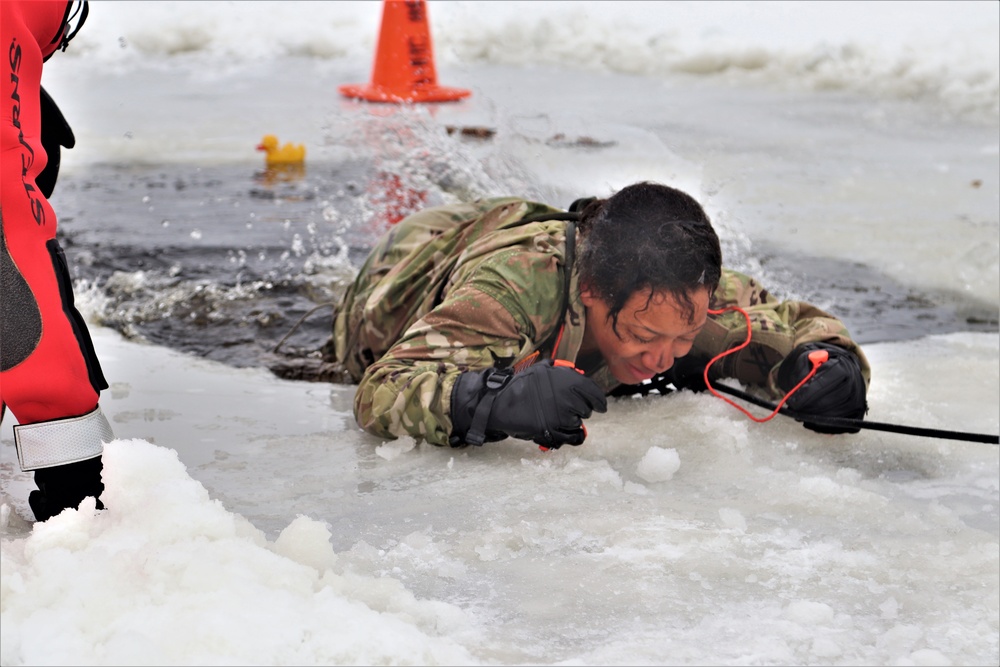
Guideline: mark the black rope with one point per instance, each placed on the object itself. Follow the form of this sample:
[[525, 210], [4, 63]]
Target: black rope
[[860, 423]]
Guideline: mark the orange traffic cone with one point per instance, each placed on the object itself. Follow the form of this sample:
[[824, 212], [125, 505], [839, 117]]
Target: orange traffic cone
[[404, 60]]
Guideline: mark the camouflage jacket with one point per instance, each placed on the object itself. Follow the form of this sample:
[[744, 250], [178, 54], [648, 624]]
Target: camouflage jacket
[[473, 285]]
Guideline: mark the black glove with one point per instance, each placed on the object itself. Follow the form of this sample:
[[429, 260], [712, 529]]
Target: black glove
[[837, 390], [56, 132], [689, 373], [62, 487], [545, 403]]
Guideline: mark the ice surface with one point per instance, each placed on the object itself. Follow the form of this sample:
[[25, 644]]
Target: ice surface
[[250, 521]]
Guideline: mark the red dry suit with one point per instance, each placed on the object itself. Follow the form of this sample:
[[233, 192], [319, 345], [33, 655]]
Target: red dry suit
[[48, 368]]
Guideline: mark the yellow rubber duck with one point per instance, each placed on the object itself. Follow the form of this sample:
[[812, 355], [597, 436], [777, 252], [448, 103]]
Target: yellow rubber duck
[[277, 154]]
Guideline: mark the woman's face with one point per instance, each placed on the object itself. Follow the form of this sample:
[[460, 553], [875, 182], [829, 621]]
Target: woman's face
[[652, 332]]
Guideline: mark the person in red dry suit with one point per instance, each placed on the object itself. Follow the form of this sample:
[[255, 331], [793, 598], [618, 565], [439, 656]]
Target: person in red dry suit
[[50, 378]]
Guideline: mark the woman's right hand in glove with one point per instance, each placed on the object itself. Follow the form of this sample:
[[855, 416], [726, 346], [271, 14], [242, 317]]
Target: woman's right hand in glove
[[545, 403]]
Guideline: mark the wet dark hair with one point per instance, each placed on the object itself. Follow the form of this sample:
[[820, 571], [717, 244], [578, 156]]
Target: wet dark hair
[[647, 236]]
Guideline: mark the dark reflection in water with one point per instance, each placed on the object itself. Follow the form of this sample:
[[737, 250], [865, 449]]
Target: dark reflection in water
[[224, 261]]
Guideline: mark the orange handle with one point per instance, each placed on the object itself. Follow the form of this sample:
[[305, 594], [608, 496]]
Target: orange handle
[[566, 364]]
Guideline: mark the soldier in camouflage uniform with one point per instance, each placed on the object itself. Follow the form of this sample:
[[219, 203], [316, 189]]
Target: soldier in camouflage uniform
[[506, 317]]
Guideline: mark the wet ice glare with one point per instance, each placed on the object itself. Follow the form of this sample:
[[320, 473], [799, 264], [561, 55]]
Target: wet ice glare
[[262, 527]]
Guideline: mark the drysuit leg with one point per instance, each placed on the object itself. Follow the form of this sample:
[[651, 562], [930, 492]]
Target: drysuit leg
[[50, 378]]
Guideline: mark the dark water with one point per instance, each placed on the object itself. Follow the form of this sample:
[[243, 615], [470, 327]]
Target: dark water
[[213, 261], [224, 261]]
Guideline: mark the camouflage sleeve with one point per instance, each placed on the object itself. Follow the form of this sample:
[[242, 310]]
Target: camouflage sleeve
[[777, 328], [480, 323]]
